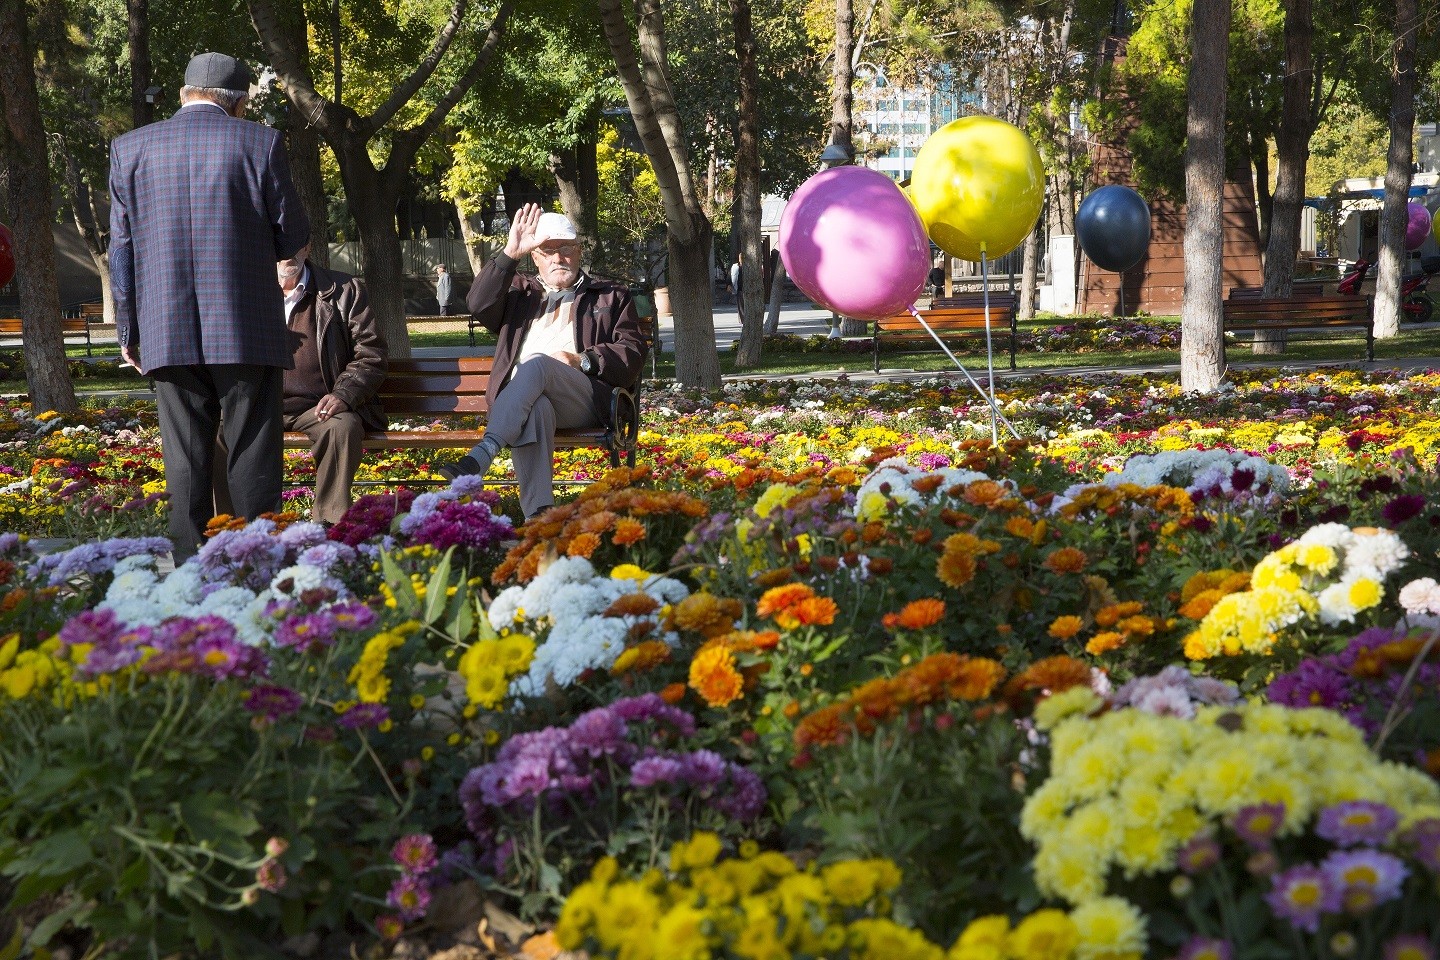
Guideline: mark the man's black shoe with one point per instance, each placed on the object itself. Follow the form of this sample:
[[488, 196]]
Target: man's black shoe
[[464, 467]]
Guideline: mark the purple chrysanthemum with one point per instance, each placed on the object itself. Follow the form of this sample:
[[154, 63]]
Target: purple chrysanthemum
[[410, 896], [305, 632], [1409, 946], [1366, 878], [1198, 854], [654, 770], [353, 616], [1407, 506], [225, 658], [1423, 840], [1301, 895], [415, 853], [598, 732], [272, 702], [1357, 821], [363, 716], [1314, 683], [1206, 948], [1257, 825]]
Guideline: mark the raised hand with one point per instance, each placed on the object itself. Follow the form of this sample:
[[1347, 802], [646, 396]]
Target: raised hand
[[522, 231]]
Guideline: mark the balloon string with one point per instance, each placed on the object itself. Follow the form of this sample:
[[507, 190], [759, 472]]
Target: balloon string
[[994, 410], [989, 351]]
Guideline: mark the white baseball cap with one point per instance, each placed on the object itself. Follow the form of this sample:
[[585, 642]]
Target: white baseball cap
[[554, 226]]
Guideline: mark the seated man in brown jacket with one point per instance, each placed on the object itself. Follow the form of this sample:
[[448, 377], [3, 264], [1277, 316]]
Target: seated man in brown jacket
[[565, 340], [330, 395]]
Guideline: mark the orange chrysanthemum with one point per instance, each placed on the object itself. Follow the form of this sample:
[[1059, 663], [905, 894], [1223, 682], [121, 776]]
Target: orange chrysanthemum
[[955, 569], [635, 604], [1063, 628], [984, 493], [703, 613], [781, 598], [1198, 606], [1109, 616], [928, 483], [584, 545], [714, 677], [673, 693], [641, 657], [827, 727], [977, 679], [1066, 560], [1022, 527], [628, 531], [1053, 675], [1136, 626], [810, 612], [1104, 642], [920, 614]]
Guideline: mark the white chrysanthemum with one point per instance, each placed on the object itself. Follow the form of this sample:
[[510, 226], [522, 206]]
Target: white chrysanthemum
[[667, 590], [298, 578], [1335, 605], [131, 585], [504, 607], [179, 592], [228, 603], [1377, 554], [571, 603], [1328, 534], [1421, 597], [134, 562]]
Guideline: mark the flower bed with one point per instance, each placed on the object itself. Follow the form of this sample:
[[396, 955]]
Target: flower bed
[[833, 677]]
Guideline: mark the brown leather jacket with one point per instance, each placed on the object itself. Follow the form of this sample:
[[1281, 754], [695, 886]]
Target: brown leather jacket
[[352, 353], [606, 324]]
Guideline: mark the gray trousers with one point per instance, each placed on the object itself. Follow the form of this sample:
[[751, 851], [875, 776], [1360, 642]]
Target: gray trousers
[[543, 395], [192, 401]]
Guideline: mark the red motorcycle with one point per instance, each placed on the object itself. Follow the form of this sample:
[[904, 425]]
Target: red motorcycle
[[1415, 303]]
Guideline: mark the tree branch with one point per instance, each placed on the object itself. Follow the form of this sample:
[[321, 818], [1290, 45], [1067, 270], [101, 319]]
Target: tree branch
[[650, 24], [293, 74], [411, 85], [642, 112], [442, 108]]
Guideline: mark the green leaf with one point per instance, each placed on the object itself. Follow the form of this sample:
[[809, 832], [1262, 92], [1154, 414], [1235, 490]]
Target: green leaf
[[33, 886], [11, 950], [436, 592], [399, 582], [218, 820], [57, 854], [51, 925]]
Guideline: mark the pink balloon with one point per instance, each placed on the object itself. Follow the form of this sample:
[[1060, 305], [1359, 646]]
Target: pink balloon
[[852, 241], [1417, 228], [7, 256]]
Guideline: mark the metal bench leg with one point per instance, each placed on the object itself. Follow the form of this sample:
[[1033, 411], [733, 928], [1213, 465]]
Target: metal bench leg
[[1370, 344], [877, 350]]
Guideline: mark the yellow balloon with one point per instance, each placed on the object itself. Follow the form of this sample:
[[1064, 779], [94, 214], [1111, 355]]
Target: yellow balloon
[[978, 185]]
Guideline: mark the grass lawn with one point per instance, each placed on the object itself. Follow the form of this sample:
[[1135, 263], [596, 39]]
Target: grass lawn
[[1411, 343]]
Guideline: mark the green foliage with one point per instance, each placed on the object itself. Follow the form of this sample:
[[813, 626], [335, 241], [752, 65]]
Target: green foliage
[[631, 215], [1350, 142]]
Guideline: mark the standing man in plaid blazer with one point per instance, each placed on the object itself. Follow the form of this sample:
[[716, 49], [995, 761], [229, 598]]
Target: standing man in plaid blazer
[[202, 208]]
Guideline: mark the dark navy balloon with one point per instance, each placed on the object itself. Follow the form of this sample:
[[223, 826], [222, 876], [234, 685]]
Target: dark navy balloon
[[1113, 227]]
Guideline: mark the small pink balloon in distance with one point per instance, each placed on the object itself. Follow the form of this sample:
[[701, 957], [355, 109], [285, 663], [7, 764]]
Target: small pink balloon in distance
[[854, 244], [1417, 227]]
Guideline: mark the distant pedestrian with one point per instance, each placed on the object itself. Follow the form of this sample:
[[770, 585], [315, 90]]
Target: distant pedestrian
[[202, 207], [442, 289], [736, 279], [936, 279]]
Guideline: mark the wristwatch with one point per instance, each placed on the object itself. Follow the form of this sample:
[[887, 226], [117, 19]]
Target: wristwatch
[[587, 363]]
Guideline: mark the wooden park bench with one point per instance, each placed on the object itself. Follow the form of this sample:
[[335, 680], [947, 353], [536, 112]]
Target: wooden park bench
[[961, 319], [455, 386], [1318, 318], [1298, 291], [76, 329]]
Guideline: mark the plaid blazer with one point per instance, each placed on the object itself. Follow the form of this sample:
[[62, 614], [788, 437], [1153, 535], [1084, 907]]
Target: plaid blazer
[[202, 205]]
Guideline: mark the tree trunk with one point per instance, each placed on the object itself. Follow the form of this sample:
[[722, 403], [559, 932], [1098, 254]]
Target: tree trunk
[[1202, 352], [842, 78], [371, 193], [688, 232], [1292, 144], [138, 22], [476, 246], [777, 293], [22, 142], [1264, 201], [1030, 275], [302, 143], [87, 222], [1394, 214], [567, 182], [747, 192], [688, 273], [373, 202]]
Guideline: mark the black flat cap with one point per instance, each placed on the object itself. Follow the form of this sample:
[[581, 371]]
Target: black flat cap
[[218, 72]]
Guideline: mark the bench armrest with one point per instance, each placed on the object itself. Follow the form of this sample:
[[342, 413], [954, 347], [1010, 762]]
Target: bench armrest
[[625, 417]]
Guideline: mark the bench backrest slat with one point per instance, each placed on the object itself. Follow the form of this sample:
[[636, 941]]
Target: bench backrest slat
[[397, 403], [14, 325], [1304, 308], [948, 318]]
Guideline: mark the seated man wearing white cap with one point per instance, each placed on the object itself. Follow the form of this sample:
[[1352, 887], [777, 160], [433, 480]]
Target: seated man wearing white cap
[[564, 341]]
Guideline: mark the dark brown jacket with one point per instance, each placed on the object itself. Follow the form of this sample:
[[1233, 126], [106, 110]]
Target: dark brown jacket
[[605, 323], [352, 351]]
